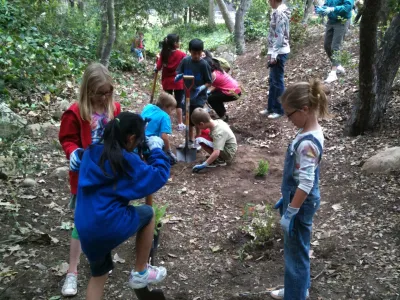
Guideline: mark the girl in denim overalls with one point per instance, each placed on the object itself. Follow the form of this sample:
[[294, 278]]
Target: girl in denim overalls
[[303, 103]]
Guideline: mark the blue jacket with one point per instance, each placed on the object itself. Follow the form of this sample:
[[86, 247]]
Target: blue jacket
[[103, 217], [342, 9]]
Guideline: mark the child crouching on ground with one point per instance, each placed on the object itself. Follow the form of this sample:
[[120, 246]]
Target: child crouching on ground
[[216, 138], [111, 175], [160, 121]]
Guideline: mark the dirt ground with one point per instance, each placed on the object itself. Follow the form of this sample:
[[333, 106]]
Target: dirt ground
[[356, 238]]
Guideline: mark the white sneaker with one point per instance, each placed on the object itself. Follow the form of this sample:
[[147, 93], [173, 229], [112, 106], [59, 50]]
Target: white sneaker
[[181, 127], [331, 77], [274, 116], [153, 275], [70, 287], [278, 294], [340, 70], [196, 145], [265, 112]]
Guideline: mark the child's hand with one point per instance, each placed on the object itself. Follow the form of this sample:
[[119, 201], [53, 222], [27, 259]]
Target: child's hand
[[172, 157], [178, 77], [75, 159], [198, 90], [198, 168], [287, 220], [279, 205], [154, 142]]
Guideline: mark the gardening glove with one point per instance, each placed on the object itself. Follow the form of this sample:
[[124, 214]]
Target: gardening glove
[[171, 156], [178, 77], [198, 168], [154, 142], [198, 90], [279, 205], [287, 220], [75, 159], [324, 10]]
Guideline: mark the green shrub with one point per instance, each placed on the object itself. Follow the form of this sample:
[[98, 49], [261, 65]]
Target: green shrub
[[262, 168]]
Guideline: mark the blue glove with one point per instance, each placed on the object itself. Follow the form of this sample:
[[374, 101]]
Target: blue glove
[[208, 92], [178, 77], [198, 168], [279, 205], [287, 220], [171, 156], [75, 159], [324, 10], [198, 90], [154, 142]]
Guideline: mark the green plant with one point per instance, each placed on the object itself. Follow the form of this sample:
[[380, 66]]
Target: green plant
[[159, 213], [262, 168], [343, 57]]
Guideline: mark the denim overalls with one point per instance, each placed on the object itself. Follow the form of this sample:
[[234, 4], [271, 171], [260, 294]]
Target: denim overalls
[[297, 246]]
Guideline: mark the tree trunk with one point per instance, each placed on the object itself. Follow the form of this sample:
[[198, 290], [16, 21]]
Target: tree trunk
[[80, 5], [190, 14], [117, 23], [225, 14], [377, 70], [103, 30], [239, 26], [105, 56], [211, 13], [185, 18], [308, 9]]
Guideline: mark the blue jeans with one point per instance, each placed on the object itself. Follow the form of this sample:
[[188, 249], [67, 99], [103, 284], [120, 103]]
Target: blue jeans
[[297, 246], [276, 84]]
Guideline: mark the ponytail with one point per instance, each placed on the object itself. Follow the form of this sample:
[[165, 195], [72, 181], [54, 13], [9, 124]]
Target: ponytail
[[318, 99], [115, 137], [168, 45]]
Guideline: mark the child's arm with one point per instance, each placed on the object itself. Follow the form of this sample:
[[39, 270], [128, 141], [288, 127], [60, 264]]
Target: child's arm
[[165, 139], [214, 155], [69, 135]]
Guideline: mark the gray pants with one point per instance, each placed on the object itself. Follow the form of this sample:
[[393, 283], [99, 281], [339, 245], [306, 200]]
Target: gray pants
[[334, 35]]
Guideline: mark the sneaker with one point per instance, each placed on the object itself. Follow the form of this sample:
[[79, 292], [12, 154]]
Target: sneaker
[[340, 70], [217, 163], [331, 77], [70, 287], [274, 116], [265, 112], [181, 127], [278, 294], [195, 145], [153, 275]]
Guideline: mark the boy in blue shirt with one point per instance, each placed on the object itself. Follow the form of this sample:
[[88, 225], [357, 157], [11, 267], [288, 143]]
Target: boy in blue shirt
[[160, 121], [200, 69]]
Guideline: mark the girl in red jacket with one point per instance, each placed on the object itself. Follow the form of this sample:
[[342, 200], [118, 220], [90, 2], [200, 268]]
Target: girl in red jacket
[[169, 59], [81, 125]]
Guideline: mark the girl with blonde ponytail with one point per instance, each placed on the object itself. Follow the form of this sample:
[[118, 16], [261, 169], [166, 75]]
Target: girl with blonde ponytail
[[303, 103]]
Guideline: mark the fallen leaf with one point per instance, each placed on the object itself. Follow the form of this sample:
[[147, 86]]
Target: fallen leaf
[[118, 259]]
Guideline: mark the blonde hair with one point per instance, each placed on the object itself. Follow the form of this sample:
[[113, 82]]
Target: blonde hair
[[95, 76], [199, 115], [311, 94], [166, 100]]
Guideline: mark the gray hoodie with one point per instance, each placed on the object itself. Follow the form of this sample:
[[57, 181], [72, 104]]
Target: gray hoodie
[[278, 36]]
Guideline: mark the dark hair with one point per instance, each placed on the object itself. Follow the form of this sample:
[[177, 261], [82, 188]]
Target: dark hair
[[168, 45], [208, 53], [115, 137], [196, 45], [214, 64]]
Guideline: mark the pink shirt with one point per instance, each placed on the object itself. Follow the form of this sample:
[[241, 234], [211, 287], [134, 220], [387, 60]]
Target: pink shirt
[[225, 83]]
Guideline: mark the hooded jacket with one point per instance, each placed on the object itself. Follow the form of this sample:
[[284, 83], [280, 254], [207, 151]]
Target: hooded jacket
[[278, 36], [103, 217], [76, 133], [342, 9]]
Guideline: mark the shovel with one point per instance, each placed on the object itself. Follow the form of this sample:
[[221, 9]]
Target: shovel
[[187, 154]]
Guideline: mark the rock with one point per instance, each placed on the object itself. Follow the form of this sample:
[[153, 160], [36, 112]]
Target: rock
[[60, 173], [39, 129], [10, 122], [28, 182], [63, 105], [228, 56], [384, 162]]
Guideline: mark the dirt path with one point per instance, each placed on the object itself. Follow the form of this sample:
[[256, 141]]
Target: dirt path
[[356, 234]]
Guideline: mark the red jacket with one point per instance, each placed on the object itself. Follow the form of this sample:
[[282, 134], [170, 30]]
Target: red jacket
[[169, 71], [76, 133]]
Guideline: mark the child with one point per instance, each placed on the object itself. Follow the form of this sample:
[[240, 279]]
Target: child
[[338, 11], [217, 139], [111, 176], [169, 59], [81, 125], [303, 104], [223, 89], [278, 51], [138, 46], [194, 65], [160, 121]]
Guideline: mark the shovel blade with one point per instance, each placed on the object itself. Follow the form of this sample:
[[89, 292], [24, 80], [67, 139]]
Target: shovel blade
[[186, 154]]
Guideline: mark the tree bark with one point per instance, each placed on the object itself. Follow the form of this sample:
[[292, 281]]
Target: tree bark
[[103, 30], [190, 14], [308, 10], [80, 5], [105, 56], [225, 14], [185, 17], [239, 26], [377, 70], [211, 13]]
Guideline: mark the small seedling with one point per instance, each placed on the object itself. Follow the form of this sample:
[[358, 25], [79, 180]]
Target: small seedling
[[262, 169], [159, 213]]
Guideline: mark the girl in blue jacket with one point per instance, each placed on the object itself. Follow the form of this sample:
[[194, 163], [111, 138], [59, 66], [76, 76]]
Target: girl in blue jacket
[[110, 176]]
